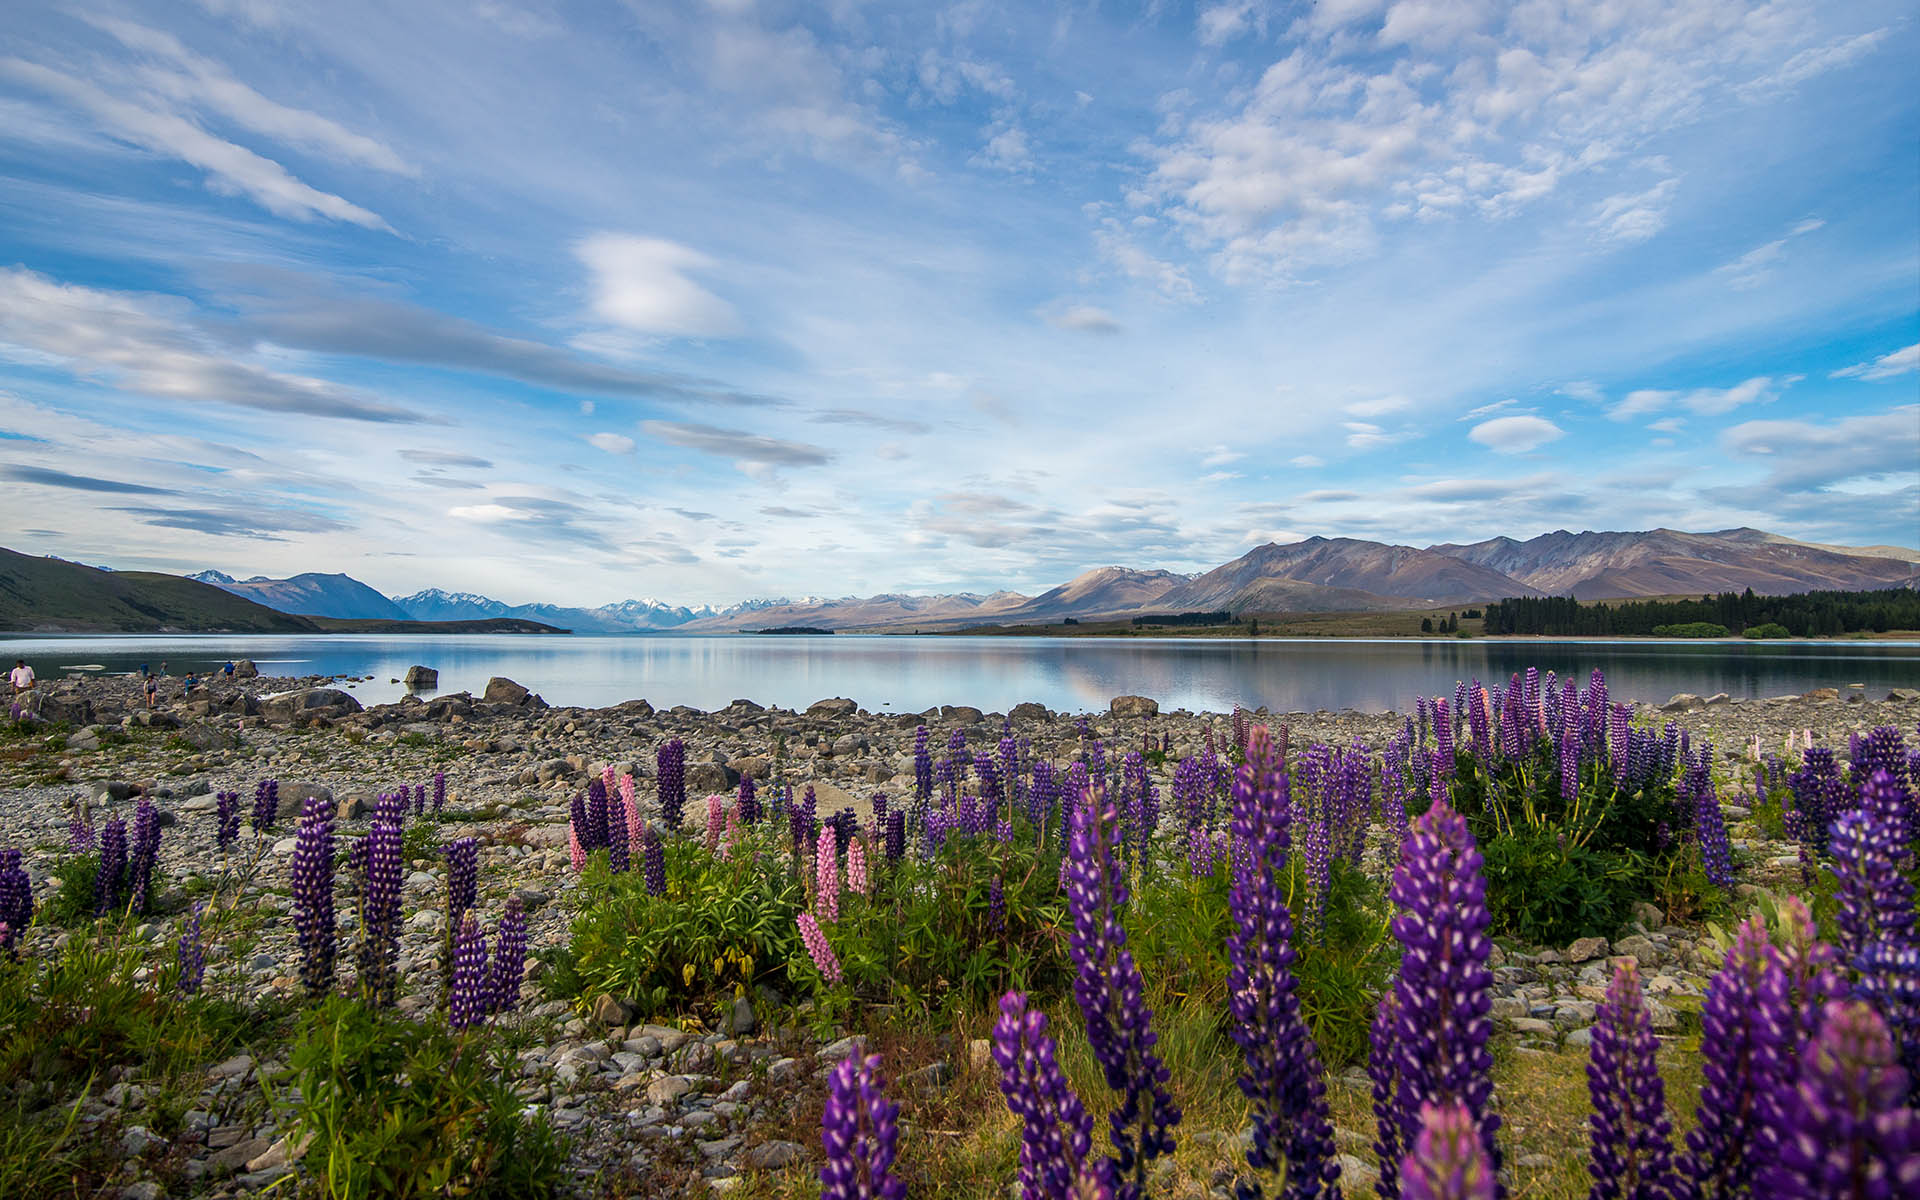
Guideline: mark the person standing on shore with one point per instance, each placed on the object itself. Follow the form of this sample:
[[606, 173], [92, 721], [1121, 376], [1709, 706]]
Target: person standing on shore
[[21, 677], [153, 686]]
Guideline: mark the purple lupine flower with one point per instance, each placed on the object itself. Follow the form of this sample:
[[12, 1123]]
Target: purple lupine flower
[[380, 901], [468, 993], [1708, 822], [312, 888], [439, 791], [922, 767], [1629, 1135], [817, 947], [1383, 1073], [1720, 1157], [896, 843], [997, 907], [266, 804], [1444, 990], [1056, 1134], [1817, 794], [859, 1129], [16, 900], [463, 870], [1447, 1160], [228, 810], [749, 805], [654, 863], [619, 846], [1283, 1077], [1877, 915], [1849, 1133], [1876, 898], [80, 835], [1444, 754], [595, 836], [419, 799], [509, 959], [670, 764], [191, 953], [1109, 989], [143, 851], [109, 881], [1801, 977]]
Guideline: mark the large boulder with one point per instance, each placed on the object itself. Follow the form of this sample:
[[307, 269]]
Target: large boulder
[[244, 669], [1133, 706], [838, 706], [202, 736], [704, 779], [962, 714], [1029, 710], [422, 679], [45, 704], [309, 705], [501, 690]]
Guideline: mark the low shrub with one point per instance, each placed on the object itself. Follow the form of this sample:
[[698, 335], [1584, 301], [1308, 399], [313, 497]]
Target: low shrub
[[1769, 630], [722, 926], [399, 1108]]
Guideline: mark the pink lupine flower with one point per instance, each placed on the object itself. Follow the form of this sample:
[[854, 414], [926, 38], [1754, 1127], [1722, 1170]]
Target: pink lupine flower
[[607, 777], [826, 899], [573, 848], [716, 819], [630, 809], [817, 946], [857, 866]]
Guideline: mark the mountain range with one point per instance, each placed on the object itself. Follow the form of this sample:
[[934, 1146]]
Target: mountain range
[[1315, 575]]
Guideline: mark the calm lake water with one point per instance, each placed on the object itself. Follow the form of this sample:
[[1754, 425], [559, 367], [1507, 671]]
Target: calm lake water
[[905, 674]]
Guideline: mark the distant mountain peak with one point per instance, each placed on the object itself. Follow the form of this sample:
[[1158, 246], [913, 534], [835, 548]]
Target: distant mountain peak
[[214, 577]]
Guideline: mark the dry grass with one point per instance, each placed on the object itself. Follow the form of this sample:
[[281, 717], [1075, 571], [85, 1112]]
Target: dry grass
[[961, 1142]]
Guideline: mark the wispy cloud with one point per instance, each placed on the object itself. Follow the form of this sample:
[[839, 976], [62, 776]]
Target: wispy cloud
[[1516, 435], [1887, 366], [228, 166]]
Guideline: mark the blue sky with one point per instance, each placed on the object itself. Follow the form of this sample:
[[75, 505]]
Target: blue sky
[[582, 301]]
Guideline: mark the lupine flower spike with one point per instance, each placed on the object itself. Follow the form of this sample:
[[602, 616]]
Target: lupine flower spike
[[192, 953], [312, 871], [1108, 987], [1283, 1078], [1849, 1132], [1444, 991], [1628, 1133], [1056, 1135], [860, 1131], [467, 999], [1447, 1162], [818, 949]]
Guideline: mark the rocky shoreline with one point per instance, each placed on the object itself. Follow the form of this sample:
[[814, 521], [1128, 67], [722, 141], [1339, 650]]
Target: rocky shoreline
[[649, 1103]]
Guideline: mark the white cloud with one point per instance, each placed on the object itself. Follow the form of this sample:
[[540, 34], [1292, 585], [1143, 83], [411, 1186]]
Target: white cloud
[[612, 443], [641, 283], [230, 168], [200, 81], [1084, 318], [1887, 366], [1379, 406], [1754, 267], [1761, 389], [1121, 250], [1456, 108], [1815, 455], [1307, 461], [1220, 456], [1364, 435], [1635, 216], [752, 452], [147, 344], [1007, 150], [1515, 435]]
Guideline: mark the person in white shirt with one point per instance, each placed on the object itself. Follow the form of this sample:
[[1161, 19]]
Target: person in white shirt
[[21, 676]]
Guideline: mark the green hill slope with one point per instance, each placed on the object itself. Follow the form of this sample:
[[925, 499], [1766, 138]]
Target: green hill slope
[[46, 595]]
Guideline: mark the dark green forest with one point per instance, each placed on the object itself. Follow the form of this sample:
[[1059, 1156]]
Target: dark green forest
[[1809, 614]]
